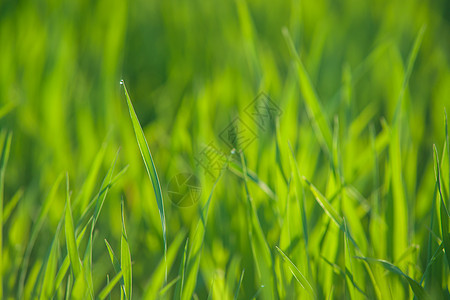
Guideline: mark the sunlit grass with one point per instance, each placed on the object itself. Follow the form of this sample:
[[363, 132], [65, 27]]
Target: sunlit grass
[[343, 193]]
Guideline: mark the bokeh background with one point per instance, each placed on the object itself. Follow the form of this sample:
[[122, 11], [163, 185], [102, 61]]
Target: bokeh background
[[191, 67]]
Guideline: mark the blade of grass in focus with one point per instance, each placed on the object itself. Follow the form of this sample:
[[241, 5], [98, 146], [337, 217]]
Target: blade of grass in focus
[[149, 165]]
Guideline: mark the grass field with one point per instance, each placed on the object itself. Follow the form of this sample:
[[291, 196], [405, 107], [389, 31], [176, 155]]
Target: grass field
[[224, 149]]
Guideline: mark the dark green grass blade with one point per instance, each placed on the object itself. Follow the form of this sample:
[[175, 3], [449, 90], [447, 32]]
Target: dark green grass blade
[[437, 254], [125, 259], [149, 165], [108, 288], [297, 274], [418, 290]]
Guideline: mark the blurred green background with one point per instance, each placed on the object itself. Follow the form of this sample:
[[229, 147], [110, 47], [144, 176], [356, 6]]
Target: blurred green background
[[191, 67]]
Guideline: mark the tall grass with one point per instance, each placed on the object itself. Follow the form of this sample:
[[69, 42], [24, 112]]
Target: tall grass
[[343, 193]]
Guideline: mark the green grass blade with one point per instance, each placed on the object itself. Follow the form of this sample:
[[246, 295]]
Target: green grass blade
[[237, 169], [11, 205], [115, 262], [262, 255], [108, 288], [88, 186], [195, 250], [168, 286], [409, 67], [323, 202], [158, 276], [3, 161], [48, 202], [72, 248], [181, 274], [149, 165], [415, 286], [125, 259], [48, 284], [297, 274], [236, 295], [66, 262], [315, 111], [443, 209]]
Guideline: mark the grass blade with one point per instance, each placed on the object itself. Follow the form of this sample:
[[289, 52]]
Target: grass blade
[[415, 286], [181, 273], [239, 285], [157, 278], [108, 288], [149, 165], [125, 259], [297, 274], [3, 161], [313, 106], [72, 248], [443, 209]]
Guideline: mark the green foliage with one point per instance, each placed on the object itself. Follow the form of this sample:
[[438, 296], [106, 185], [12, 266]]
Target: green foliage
[[339, 190]]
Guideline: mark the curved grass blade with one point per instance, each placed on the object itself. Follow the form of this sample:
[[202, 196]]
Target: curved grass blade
[[149, 165], [297, 274], [415, 286]]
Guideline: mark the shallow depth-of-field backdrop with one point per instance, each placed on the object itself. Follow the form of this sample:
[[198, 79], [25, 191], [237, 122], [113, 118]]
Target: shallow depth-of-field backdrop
[[333, 189]]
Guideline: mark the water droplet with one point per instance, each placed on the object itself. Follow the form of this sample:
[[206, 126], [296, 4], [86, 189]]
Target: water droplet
[[121, 82], [233, 151]]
